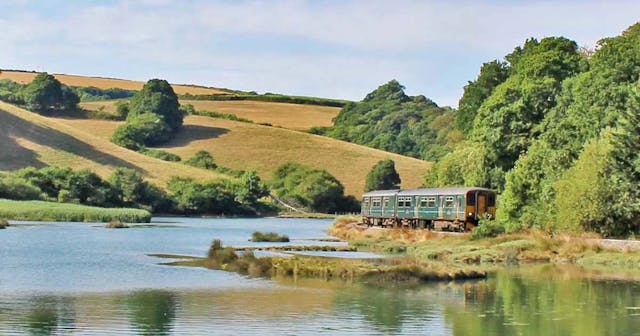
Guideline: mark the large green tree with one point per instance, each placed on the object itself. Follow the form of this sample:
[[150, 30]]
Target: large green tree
[[383, 176], [46, 94], [157, 96]]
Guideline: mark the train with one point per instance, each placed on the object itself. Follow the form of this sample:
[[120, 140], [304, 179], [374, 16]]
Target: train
[[446, 209]]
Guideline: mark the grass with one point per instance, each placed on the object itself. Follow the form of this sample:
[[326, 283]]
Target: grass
[[291, 116], [28, 139], [243, 146], [375, 272], [64, 212], [106, 83], [533, 246], [258, 236]]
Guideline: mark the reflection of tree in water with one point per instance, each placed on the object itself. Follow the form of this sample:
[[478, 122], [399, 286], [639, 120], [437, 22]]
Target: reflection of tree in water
[[543, 305], [43, 316], [49, 314], [152, 311], [385, 308]]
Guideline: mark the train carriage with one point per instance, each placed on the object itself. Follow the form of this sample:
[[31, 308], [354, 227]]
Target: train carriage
[[454, 209]]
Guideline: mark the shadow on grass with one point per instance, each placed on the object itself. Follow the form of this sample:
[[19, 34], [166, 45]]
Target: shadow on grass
[[14, 156], [190, 133]]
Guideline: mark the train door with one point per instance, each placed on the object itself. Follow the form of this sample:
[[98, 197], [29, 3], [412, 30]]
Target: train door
[[482, 204]]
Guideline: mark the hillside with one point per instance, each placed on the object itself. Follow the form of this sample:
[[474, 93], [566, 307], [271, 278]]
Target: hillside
[[28, 139], [105, 83], [244, 146], [292, 116]]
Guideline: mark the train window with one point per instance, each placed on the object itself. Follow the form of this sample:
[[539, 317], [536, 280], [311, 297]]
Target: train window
[[376, 202], [491, 200], [385, 201], [448, 202], [471, 199], [404, 201], [428, 202]]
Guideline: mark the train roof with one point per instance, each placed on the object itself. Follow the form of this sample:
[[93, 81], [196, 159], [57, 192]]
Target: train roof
[[425, 191], [381, 193]]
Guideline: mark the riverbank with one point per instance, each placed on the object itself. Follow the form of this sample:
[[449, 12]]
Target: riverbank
[[66, 212], [533, 246]]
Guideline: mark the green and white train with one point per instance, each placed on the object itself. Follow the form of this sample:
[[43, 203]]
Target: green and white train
[[452, 209]]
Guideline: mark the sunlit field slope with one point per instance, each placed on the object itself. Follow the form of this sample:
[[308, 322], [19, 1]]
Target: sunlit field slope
[[292, 116], [245, 146], [28, 139], [105, 83]]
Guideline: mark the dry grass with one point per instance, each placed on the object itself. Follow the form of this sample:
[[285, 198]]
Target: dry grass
[[292, 116], [243, 146], [105, 83], [28, 139]]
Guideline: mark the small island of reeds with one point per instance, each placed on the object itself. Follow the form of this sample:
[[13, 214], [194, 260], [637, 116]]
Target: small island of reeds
[[3, 223], [272, 237]]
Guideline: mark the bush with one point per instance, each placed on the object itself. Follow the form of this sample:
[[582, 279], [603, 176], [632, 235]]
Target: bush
[[13, 187], [160, 154], [3, 223], [221, 255], [269, 237], [202, 159], [141, 130], [486, 229]]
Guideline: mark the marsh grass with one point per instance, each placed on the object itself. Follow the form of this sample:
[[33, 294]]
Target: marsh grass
[[3, 223], [65, 212], [273, 237], [116, 224], [528, 246]]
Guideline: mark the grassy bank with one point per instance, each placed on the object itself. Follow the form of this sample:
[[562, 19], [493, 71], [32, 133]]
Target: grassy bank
[[377, 272], [534, 246], [62, 212]]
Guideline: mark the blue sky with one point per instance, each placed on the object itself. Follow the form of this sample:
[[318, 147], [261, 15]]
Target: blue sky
[[338, 49]]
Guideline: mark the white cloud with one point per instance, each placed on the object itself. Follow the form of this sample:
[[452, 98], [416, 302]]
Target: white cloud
[[344, 49]]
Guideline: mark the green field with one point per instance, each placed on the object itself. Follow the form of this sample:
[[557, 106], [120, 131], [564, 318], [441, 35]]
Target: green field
[[65, 212]]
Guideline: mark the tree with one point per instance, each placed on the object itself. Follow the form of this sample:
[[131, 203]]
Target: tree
[[383, 176], [251, 189], [476, 92], [310, 188], [129, 185], [142, 130], [157, 96], [43, 94]]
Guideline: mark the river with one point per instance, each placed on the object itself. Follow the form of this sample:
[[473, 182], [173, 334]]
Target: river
[[83, 279]]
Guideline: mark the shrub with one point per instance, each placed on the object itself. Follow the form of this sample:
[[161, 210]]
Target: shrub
[[202, 159], [269, 237], [160, 154], [221, 255], [487, 229], [3, 223], [13, 187], [141, 130]]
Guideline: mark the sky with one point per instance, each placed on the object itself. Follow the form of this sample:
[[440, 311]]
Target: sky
[[336, 49]]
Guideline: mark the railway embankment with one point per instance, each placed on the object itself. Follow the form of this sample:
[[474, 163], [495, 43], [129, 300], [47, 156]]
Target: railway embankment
[[457, 248]]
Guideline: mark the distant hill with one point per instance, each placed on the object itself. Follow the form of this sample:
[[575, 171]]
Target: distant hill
[[28, 139], [243, 146], [24, 77]]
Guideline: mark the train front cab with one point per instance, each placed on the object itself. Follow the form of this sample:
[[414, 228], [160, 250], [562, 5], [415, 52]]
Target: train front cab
[[481, 203], [378, 207]]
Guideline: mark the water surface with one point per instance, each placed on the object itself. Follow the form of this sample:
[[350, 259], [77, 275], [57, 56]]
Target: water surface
[[82, 279]]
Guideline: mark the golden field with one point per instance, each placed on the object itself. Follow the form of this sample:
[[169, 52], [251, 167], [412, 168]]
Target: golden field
[[105, 83], [292, 116], [244, 146], [29, 139]]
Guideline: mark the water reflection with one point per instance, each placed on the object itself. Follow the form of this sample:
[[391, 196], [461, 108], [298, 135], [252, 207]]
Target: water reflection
[[47, 315], [546, 301], [152, 311]]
